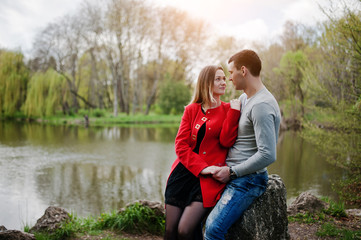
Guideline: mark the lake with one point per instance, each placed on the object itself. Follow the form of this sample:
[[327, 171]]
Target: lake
[[98, 169]]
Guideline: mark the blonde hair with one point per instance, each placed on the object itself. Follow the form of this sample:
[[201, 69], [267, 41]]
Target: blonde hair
[[203, 92]]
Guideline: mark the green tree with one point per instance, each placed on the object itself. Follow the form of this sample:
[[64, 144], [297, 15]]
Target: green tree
[[47, 93], [291, 70], [173, 96], [334, 80], [13, 82]]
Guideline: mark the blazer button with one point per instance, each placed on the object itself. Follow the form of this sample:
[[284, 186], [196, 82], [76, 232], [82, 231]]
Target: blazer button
[[204, 152]]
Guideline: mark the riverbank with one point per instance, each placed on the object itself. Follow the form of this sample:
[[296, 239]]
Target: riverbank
[[102, 118], [145, 220]]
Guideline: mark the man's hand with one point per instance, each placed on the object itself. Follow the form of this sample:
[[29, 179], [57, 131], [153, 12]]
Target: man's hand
[[210, 170], [222, 175]]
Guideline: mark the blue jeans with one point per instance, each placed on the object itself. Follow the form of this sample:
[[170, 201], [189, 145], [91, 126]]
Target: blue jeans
[[236, 198]]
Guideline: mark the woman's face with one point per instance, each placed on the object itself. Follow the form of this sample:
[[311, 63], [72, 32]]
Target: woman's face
[[219, 87]]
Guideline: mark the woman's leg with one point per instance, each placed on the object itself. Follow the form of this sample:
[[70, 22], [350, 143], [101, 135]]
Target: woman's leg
[[190, 220], [172, 217]]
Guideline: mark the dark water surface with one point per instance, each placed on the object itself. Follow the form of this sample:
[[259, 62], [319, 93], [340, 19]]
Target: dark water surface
[[94, 170]]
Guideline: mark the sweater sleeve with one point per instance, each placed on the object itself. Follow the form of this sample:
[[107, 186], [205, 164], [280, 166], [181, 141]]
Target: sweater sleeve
[[263, 118], [229, 130], [191, 160]]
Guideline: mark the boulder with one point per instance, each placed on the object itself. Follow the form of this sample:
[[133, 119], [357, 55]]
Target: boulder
[[14, 234], [266, 218], [157, 207], [354, 212], [51, 219], [306, 202]]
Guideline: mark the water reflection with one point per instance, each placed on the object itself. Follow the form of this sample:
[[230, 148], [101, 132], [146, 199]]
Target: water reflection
[[97, 188], [302, 168], [92, 170]]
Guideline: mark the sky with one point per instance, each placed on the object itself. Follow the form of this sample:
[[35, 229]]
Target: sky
[[21, 20]]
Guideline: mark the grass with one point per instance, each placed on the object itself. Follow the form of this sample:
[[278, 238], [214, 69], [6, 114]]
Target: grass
[[307, 218], [107, 118], [335, 209], [135, 218], [103, 117], [330, 230]]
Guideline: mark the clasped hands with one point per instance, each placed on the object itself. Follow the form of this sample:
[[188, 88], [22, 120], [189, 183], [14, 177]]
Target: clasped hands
[[221, 174]]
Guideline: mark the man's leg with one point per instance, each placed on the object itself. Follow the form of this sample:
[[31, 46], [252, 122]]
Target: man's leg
[[236, 198]]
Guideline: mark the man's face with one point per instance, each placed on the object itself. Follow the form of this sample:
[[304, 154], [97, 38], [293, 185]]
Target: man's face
[[236, 77]]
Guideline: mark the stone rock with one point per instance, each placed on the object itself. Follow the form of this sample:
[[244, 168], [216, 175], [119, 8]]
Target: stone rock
[[157, 207], [306, 202], [266, 218], [354, 212], [15, 235], [51, 219], [2, 228]]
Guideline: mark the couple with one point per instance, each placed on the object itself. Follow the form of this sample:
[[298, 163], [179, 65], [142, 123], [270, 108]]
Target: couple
[[222, 154]]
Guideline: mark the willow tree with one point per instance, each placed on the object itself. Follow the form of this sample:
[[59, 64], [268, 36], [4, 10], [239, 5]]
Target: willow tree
[[63, 42], [13, 82], [47, 93]]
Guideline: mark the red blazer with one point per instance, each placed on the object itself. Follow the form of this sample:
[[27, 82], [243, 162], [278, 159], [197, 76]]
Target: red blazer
[[221, 133]]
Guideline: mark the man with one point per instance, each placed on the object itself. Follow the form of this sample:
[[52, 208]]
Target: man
[[255, 148]]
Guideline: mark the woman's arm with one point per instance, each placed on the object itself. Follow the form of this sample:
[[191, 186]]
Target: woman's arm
[[229, 130]]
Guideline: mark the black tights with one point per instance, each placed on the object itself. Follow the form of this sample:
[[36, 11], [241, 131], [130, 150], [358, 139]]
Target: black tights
[[184, 224]]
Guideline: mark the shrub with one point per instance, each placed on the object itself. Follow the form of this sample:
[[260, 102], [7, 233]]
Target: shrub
[[173, 96]]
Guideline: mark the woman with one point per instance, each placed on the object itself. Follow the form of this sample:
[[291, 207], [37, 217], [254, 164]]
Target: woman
[[208, 128]]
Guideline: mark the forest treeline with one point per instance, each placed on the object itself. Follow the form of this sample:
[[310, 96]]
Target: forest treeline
[[127, 55], [133, 57]]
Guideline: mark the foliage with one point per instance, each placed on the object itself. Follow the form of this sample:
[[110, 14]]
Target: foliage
[[47, 93], [335, 209], [307, 218], [340, 142], [334, 87], [292, 66], [13, 82], [173, 96], [328, 229], [134, 219]]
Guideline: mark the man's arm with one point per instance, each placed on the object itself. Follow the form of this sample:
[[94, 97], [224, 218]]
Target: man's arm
[[263, 116]]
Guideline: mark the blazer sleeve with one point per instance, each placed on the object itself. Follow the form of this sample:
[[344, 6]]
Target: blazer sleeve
[[229, 130], [191, 160]]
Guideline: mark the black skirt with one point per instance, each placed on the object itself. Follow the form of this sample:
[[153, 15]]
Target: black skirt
[[182, 188]]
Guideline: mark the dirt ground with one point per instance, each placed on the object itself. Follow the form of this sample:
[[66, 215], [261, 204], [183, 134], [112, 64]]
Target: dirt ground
[[303, 231]]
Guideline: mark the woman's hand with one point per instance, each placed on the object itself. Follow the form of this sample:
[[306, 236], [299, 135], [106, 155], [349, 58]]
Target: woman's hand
[[210, 170], [222, 175], [235, 104]]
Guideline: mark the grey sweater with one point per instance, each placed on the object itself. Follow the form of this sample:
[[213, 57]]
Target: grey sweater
[[255, 147]]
